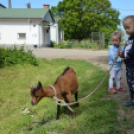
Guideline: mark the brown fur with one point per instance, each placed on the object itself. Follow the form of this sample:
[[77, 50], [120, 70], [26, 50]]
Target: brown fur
[[66, 85]]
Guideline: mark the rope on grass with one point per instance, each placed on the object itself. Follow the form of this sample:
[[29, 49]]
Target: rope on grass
[[63, 103]]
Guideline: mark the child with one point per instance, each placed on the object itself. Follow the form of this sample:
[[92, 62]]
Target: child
[[128, 54], [116, 71]]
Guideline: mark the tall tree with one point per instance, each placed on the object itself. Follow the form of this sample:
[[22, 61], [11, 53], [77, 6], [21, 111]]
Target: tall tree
[[81, 17]]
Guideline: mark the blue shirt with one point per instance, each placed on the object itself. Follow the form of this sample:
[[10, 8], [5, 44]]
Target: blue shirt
[[128, 52], [112, 52]]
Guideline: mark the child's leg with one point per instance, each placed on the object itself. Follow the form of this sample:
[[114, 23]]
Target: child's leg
[[118, 77], [130, 81], [111, 78]]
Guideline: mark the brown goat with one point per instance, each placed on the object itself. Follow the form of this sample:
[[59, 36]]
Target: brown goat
[[66, 85]]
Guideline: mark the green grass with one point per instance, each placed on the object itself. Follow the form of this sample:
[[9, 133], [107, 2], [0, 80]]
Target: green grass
[[95, 115]]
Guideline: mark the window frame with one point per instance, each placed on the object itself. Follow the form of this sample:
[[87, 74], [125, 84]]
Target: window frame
[[21, 36]]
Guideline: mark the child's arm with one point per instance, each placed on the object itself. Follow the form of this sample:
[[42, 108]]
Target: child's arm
[[112, 55], [120, 52], [122, 59], [127, 53], [130, 53]]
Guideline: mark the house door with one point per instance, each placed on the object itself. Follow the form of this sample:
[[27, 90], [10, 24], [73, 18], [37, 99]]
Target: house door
[[47, 41]]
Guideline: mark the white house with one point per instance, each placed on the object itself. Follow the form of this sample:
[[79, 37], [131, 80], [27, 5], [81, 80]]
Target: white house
[[30, 26]]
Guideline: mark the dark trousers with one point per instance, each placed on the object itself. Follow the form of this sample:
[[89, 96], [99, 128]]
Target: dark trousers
[[130, 81]]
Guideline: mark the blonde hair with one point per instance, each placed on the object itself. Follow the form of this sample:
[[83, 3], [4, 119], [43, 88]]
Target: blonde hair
[[128, 17], [116, 33]]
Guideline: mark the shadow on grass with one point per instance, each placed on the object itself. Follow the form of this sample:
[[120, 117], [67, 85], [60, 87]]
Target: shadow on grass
[[46, 120]]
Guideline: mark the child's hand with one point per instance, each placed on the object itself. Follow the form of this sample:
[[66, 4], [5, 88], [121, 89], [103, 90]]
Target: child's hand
[[120, 53], [122, 60]]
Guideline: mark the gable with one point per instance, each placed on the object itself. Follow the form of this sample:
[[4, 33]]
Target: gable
[[48, 17]]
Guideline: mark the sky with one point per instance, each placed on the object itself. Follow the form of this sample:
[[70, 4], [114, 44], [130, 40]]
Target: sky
[[125, 7]]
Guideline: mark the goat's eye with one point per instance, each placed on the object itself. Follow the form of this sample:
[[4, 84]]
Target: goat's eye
[[36, 96]]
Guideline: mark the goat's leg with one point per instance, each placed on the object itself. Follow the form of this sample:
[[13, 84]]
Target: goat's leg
[[58, 112], [65, 108], [69, 100], [76, 98]]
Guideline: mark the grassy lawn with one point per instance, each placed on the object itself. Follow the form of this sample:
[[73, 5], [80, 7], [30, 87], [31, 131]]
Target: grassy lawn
[[95, 115]]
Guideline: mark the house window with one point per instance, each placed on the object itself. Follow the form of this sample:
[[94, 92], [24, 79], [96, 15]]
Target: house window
[[21, 35]]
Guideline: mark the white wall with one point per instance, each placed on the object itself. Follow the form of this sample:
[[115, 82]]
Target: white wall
[[35, 32], [55, 34], [9, 30]]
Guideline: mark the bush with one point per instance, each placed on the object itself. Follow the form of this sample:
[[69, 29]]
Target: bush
[[85, 43], [52, 44], [10, 56], [88, 44], [59, 46], [65, 44]]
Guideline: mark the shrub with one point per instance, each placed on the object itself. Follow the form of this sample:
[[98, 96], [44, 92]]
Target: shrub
[[10, 56], [59, 46], [52, 43]]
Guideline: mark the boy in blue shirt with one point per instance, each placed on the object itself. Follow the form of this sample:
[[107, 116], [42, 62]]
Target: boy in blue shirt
[[128, 54], [116, 71]]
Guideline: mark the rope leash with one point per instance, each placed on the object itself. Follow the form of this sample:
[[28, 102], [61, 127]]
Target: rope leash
[[62, 103], [58, 101]]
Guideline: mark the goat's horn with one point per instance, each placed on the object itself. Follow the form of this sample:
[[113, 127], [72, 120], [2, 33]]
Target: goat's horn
[[31, 86]]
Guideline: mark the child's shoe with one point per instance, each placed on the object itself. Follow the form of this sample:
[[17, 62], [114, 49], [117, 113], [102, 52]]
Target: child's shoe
[[112, 90], [128, 104], [121, 89]]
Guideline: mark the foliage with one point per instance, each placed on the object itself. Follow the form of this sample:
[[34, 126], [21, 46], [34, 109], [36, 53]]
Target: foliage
[[85, 44], [108, 33], [13, 55], [88, 44], [65, 44], [79, 18], [119, 29], [52, 44], [95, 115]]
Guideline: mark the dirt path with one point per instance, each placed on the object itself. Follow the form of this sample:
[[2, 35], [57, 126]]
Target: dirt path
[[99, 58]]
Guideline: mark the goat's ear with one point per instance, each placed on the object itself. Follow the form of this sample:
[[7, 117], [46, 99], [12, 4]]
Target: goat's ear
[[29, 86], [39, 85]]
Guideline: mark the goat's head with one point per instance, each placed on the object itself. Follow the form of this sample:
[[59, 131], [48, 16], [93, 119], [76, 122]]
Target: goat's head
[[36, 93]]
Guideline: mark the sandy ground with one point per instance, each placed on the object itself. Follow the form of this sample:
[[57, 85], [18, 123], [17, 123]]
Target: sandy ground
[[99, 58]]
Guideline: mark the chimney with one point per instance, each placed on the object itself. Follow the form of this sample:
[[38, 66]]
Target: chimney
[[9, 4], [46, 6], [28, 5]]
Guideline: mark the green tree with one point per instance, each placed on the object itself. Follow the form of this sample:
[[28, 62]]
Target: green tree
[[81, 17], [119, 29]]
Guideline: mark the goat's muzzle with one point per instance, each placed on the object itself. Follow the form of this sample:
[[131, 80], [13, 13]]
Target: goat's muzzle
[[33, 103]]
